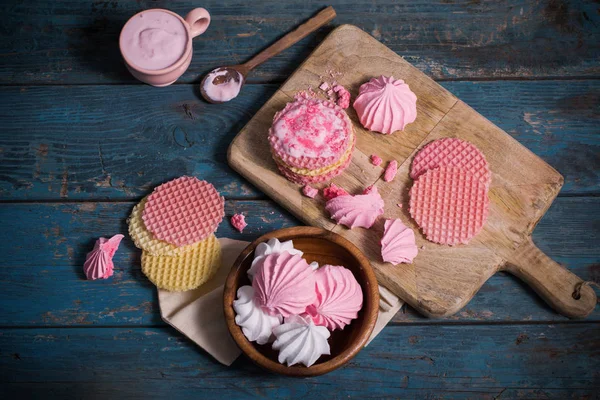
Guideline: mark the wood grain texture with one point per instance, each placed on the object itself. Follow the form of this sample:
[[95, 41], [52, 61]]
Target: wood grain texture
[[48, 244], [76, 42], [118, 142], [442, 279], [417, 362]]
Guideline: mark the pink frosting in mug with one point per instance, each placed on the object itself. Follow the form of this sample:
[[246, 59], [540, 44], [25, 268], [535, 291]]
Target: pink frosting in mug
[[154, 40]]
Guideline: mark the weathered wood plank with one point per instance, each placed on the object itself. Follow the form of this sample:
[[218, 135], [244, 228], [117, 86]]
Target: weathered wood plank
[[479, 362], [76, 42], [118, 142], [48, 243]]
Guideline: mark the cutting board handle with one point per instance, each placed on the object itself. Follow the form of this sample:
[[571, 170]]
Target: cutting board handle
[[553, 282]]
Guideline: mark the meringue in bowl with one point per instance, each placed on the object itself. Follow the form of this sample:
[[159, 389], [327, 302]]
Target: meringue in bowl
[[325, 248]]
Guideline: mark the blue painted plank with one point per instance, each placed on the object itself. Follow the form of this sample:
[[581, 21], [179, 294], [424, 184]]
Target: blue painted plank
[[117, 142], [48, 242], [76, 42], [474, 362]]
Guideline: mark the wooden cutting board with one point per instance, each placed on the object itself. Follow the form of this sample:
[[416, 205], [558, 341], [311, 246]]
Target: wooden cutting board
[[442, 279]]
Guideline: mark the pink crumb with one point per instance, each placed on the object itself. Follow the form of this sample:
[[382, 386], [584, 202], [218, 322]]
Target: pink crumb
[[390, 171], [310, 191], [370, 189], [333, 191], [399, 205], [324, 86], [376, 160], [343, 96], [239, 222]]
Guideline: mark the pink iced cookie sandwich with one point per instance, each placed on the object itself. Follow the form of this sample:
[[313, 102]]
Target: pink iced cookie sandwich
[[385, 105], [311, 140]]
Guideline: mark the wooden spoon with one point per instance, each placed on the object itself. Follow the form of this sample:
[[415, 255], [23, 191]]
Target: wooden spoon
[[224, 83]]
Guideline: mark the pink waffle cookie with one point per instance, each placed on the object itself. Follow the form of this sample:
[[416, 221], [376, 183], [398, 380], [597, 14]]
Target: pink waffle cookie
[[451, 152], [310, 133], [305, 179], [183, 211], [450, 205]]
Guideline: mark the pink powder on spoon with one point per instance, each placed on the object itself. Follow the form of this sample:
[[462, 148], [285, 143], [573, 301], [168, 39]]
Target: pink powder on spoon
[[222, 91]]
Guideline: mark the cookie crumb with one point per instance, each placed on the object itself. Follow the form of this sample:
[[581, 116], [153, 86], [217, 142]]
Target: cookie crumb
[[333, 191], [390, 171], [238, 221], [310, 191], [376, 160]]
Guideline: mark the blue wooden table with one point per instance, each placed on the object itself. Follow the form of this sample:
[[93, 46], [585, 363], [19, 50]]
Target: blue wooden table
[[81, 142]]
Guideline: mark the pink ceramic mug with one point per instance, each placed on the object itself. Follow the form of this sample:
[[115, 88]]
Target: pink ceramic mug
[[156, 44]]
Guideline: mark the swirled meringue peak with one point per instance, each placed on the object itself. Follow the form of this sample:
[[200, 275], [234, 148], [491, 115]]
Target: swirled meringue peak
[[360, 210], [272, 246], [339, 297], [385, 105], [284, 284], [256, 324], [398, 243], [300, 341], [99, 262]]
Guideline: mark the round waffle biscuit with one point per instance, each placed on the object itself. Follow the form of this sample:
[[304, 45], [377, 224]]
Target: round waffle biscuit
[[145, 240], [451, 152], [186, 271], [449, 204], [320, 171], [310, 133], [183, 211]]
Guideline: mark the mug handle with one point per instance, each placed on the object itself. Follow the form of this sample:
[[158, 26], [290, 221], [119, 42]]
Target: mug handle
[[198, 19]]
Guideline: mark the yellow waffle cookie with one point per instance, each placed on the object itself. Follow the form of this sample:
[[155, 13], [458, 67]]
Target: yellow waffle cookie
[[320, 171], [186, 271], [145, 240]]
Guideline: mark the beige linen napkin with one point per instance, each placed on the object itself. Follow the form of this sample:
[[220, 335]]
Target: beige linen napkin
[[198, 314]]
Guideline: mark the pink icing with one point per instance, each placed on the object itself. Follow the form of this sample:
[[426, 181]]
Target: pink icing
[[376, 160], [284, 284], [339, 297], [310, 191], [390, 171], [398, 243], [98, 263], [352, 211], [385, 105], [343, 96], [238, 221], [154, 39], [310, 128], [333, 191]]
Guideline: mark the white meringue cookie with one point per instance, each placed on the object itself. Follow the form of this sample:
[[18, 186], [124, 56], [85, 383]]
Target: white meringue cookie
[[273, 246], [256, 325], [299, 340]]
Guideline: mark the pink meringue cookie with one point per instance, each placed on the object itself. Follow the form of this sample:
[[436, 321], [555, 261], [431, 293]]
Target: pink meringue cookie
[[360, 210], [284, 284], [385, 105], [398, 243], [339, 297], [98, 263]]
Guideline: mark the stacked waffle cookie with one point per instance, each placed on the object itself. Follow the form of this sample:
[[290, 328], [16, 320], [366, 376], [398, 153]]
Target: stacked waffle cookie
[[311, 140], [449, 199], [174, 226]]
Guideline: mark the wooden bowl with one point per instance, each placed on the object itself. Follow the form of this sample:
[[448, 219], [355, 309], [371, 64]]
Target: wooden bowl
[[323, 247]]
